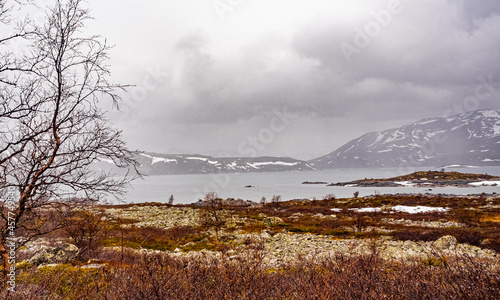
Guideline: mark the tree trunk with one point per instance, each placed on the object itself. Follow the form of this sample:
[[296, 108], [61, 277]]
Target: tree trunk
[[5, 256]]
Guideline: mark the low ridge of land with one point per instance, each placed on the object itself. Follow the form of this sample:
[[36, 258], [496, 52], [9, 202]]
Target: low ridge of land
[[427, 179]]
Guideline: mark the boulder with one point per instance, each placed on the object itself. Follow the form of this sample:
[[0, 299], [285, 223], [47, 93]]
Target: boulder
[[446, 242], [272, 221], [60, 254]]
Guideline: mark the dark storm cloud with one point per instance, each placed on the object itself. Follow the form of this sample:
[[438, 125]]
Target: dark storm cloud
[[480, 9], [419, 62], [412, 59], [248, 85]]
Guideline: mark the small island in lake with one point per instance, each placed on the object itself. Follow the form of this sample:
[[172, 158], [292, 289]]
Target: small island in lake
[[427, 179]]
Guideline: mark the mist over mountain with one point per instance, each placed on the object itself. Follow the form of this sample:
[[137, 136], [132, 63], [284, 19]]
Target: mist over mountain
[[471, 138], [167, 164]]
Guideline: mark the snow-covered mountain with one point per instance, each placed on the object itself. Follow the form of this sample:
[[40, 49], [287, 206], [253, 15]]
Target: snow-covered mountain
[[471, 138], [162, 164]]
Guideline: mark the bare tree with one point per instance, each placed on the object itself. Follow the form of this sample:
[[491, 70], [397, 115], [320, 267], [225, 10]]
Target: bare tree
[[84, 230], [275, 200], [49, 143], [212, 214]]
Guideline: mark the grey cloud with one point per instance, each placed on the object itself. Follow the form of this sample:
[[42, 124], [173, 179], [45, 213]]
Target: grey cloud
[[408, 49], [426, 61], [432, 63], [251, 85], [480, 9]]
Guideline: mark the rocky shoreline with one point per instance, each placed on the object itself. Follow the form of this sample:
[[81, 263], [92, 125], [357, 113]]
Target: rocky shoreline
[[415, 183], [427, 179]]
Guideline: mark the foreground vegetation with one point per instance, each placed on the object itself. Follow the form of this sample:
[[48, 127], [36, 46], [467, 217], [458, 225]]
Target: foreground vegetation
[[299, 249], [360, 277]]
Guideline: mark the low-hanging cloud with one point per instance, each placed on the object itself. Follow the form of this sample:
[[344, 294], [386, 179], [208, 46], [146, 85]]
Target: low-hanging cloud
[[418, 64]]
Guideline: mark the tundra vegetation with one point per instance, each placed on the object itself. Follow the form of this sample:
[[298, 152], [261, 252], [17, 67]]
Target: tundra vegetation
[[301, 249]]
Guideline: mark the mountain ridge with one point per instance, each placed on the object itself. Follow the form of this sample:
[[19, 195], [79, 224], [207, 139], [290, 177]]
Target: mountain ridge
[[470, 138], [152, 163]]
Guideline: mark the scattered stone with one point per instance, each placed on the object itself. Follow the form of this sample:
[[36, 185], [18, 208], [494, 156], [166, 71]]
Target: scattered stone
[[60, 254], [272, 221], [93, 266], [443, 223]]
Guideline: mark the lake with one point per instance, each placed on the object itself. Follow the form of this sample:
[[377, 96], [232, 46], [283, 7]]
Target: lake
[[189, 188]]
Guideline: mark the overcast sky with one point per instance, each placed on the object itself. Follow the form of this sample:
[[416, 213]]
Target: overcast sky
[[293, 78]]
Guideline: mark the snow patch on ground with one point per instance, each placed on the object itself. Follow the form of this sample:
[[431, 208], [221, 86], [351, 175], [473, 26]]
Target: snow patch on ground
[[405, 183], [487, 183], [419, 209], [399, 208]]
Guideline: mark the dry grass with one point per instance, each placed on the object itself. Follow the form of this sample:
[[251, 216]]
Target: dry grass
[[129, 275], [337, 277], [495, 218]]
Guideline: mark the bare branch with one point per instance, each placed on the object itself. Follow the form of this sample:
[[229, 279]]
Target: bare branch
[[52, 129]]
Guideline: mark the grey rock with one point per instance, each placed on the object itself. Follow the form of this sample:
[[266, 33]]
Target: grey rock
[[60, 254], [272, 221], [446, 242]]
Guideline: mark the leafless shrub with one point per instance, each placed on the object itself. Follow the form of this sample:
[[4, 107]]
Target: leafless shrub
[[275, 200], [212, 213], [329, 197], [469, 216], [158, 276]]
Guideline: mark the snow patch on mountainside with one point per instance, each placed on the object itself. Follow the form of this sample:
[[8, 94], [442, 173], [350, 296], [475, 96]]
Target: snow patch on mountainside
[[280, 163], [470, 138], [109, 161]]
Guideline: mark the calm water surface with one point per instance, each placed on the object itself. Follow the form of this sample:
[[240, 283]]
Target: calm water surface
[[190, 188]]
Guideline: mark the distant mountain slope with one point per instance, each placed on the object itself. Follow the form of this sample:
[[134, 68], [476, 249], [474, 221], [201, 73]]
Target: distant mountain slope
[[471, 138], [164, 164]]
